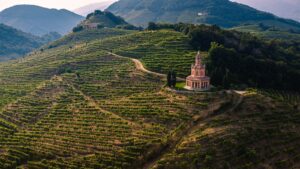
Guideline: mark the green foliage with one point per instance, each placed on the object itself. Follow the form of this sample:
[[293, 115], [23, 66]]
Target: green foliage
[[87, 36], [171, 79], [268, 32], [14, 43], [220, 63], [244, 59], [107, 19], [227, 67], [78, 28]]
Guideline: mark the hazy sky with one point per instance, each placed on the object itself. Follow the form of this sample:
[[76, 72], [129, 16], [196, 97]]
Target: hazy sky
[[283, 8], [67, 4]]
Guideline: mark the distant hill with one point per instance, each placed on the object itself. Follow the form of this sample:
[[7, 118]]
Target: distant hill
[[85, 10], [220, 12], [15, 43], [39, 21], [99, 19]]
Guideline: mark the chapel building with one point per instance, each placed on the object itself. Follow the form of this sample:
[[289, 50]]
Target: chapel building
[[198, 79]]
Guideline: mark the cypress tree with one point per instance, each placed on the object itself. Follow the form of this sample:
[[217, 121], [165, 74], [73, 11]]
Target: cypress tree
[[173, 79], [169, 78]]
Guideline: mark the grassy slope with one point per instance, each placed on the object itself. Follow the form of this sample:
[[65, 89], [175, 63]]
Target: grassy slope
[[260, 133], [102, 113], [161, 57], [87, 36], [80, 107]]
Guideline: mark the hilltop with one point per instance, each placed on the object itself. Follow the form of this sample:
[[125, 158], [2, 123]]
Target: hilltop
[[99, 19], [38, 20], [15, 43], [223, 13]]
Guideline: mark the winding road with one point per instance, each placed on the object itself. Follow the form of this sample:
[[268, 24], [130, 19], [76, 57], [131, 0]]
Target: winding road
[[139, 65]]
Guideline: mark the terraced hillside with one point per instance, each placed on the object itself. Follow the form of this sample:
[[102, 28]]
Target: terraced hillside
[[82, 107], [159, 51], [69, 107], [262, 134]]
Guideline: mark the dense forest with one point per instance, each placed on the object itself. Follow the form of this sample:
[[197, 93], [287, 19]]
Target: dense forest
[[243, 60]]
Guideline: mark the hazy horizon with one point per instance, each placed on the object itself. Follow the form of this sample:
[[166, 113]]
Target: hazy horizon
[[58, 4], [278, 7], [283, 8]]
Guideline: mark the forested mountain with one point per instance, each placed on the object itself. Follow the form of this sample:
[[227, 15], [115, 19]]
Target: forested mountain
[[15, 43], [223, 13], [38, 20]]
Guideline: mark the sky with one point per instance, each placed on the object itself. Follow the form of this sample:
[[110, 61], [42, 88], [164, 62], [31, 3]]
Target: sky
[[283, 8], [59, 4]]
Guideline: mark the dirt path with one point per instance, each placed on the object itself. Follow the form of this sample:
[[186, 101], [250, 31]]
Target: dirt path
[[139, 65], [177, 140]]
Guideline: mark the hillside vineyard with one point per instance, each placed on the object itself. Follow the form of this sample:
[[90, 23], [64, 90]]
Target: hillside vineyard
[[74, 105]]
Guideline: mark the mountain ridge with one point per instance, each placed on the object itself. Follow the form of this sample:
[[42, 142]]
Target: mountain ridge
[[15, 43], [39, 20], [220, 12]]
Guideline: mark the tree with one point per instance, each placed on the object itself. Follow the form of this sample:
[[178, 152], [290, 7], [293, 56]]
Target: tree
[[100, 26], [152, 26], [89, 15], [98, 12], [169, 76], [223, 65], [78, 28], [173, 79]]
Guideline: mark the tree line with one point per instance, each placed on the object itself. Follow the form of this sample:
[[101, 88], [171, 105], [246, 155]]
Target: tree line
[[242, 59]]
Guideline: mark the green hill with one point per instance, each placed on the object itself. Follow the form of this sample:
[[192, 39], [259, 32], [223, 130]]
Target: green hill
[[87, 36], [223, 13], [82, 107], [38, 20], [14, 43], [253, 135], [99, 20]]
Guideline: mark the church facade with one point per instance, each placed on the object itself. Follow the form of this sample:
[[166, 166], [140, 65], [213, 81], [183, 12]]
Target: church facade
[[198, 79]]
